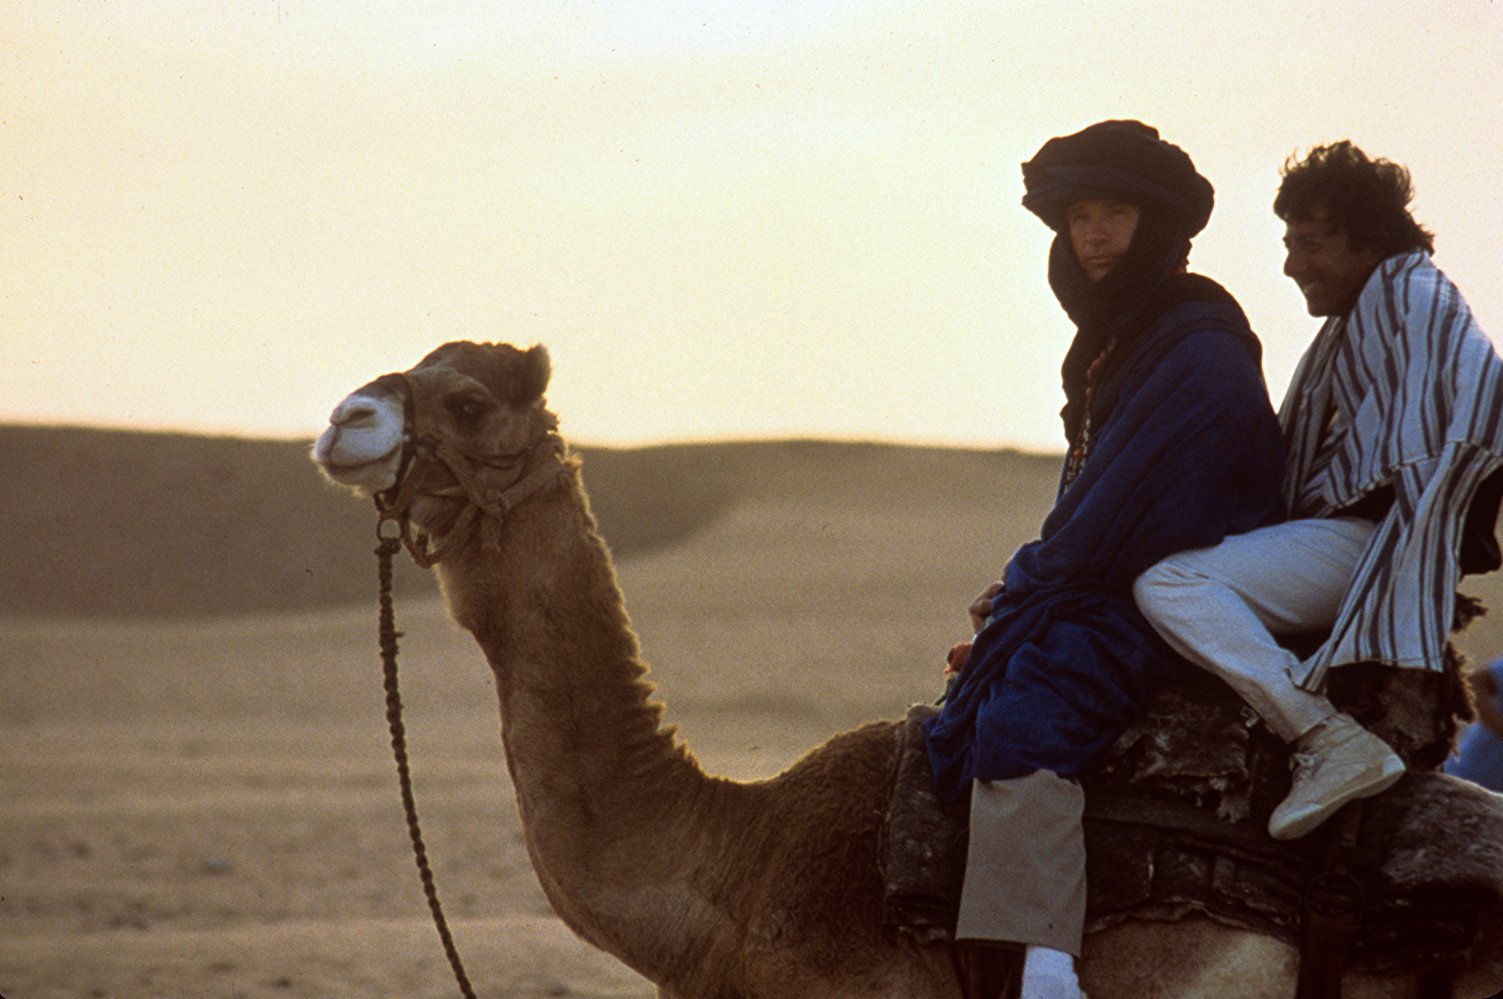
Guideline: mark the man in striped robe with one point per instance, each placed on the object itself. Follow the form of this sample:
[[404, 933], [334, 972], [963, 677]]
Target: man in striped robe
[[1394, 429]]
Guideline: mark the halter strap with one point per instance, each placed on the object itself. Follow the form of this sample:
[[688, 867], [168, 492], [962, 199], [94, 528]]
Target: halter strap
[[485, 504]]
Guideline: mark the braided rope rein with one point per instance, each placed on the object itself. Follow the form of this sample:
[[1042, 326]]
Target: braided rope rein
[[385, 551]]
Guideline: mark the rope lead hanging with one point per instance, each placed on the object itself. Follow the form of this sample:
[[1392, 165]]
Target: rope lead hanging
[[385, 551]]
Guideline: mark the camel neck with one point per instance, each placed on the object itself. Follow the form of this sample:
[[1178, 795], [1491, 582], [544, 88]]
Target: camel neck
[[594, 768]]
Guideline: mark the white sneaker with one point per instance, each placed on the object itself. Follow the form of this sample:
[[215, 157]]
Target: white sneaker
[[1336, 762]]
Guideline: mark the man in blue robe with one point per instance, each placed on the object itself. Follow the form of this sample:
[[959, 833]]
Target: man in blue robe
[[1173, 445]]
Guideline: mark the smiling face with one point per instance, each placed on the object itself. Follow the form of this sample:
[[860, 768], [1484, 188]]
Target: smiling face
[[1328, 268], [1100, 231]]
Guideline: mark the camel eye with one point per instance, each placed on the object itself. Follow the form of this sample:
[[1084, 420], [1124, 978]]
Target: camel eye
[[467, 409]]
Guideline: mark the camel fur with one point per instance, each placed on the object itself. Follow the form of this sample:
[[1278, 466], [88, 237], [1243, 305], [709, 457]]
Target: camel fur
[[710, 888]]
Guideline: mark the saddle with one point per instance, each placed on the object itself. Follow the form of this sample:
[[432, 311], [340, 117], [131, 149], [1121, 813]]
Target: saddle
[[1175, 825]]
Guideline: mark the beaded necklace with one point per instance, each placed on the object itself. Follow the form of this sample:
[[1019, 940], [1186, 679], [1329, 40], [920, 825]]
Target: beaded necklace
[[1075, 461]]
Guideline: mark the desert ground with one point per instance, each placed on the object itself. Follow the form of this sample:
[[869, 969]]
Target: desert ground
[[199, 796]]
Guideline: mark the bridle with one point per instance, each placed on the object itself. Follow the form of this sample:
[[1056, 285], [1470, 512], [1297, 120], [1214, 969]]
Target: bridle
[[485, 506]]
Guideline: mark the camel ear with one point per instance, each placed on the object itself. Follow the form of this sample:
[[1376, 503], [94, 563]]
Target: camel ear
[[536, 369]]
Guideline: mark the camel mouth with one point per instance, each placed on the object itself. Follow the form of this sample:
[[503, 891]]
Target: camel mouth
[[340, 468], [365, 472]]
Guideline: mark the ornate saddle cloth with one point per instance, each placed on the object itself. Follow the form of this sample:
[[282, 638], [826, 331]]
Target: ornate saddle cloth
[[1176, 815]]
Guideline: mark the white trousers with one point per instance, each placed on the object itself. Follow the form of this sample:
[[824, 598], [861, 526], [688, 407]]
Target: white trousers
[[1221, 607]]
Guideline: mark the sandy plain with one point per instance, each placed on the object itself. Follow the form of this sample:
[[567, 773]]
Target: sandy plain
[[198, 794]]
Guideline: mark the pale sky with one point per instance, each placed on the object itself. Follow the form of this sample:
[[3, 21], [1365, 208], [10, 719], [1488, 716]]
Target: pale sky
[[736, 218]]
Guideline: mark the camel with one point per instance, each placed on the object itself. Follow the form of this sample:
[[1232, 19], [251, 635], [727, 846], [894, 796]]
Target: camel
[[706, 886]]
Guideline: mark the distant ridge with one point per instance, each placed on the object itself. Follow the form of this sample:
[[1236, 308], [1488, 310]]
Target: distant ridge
[[128, 524]]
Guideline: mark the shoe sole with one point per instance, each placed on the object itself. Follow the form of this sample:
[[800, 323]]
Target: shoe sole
[[1392, 770]]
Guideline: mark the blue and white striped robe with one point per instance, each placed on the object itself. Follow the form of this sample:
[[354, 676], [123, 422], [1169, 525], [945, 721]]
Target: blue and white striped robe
[[1410, 390]]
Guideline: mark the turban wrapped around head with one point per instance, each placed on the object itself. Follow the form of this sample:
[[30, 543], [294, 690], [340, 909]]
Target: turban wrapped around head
[[1117, 159]]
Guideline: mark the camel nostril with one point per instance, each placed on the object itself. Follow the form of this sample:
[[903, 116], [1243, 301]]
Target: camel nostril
[[353, 414]]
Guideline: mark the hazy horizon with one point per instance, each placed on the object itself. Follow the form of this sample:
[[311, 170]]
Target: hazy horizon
[[643, 444]]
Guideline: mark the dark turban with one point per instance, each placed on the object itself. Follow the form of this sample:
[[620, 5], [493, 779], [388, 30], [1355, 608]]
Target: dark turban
[[1117, 159]]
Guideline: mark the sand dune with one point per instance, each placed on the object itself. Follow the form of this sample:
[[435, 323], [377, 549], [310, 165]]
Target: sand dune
[[200, 803], [130, 524]]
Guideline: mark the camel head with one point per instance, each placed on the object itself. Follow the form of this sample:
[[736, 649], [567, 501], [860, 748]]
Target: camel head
[[454, 432]]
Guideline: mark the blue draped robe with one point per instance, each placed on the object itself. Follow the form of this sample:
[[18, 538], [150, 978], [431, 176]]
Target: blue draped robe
[[1189, 453]]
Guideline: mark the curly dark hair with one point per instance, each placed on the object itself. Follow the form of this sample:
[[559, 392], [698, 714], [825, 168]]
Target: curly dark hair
[[1367, 199]]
